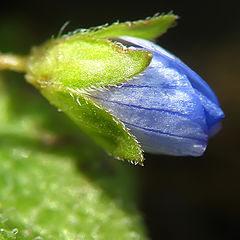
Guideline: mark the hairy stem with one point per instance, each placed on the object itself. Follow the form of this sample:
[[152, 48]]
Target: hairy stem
[[13, 62]]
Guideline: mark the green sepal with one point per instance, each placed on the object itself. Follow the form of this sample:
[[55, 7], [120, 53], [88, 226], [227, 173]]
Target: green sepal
[[82, 63], [104, 128], [148, 28], [66, 70]]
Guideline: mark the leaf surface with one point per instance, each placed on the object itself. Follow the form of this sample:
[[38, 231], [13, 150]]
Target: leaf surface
[[52, 185]]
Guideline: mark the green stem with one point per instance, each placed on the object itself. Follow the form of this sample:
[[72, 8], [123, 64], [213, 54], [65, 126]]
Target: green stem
[[13, 62]]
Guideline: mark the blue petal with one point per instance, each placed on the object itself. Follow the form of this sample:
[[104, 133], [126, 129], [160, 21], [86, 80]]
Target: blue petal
[[158, 142], [174, 62], [213, 114], [207, 97], [168, 107], [161, 109]]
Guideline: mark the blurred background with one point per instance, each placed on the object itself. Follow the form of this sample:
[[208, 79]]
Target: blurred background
[[180, 198]]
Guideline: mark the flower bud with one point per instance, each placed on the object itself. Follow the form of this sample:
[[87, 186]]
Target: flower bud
[[127, 96]]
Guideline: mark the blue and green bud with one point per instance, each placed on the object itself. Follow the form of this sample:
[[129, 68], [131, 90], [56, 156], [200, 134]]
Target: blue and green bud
[[128, 94]]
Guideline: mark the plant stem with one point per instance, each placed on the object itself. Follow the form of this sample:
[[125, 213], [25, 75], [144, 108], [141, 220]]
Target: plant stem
[[13, 62]]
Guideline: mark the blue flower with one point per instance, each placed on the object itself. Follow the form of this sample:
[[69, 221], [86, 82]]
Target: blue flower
[[168, 107]]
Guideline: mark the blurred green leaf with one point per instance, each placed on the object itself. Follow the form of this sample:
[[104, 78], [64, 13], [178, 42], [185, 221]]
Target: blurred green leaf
[[54, 182]]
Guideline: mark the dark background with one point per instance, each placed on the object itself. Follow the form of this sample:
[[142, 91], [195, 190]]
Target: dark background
[[181, 198]]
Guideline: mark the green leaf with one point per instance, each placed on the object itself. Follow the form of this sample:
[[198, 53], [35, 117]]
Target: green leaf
[[82, 63], [149, 28], [52, 185]]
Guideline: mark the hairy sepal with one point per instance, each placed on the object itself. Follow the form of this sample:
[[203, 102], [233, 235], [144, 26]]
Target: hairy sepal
[[149, 28], [81, 62], [104, 128], [65, 69]]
